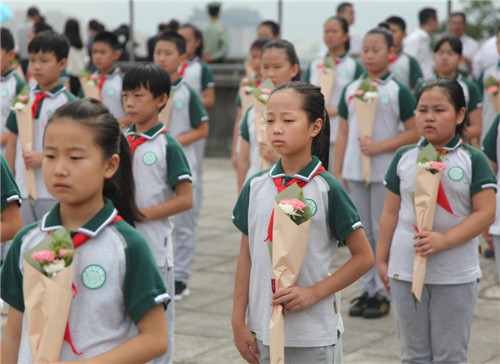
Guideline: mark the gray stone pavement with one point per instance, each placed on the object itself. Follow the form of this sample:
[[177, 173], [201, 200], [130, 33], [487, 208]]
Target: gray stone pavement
[[203, 330]]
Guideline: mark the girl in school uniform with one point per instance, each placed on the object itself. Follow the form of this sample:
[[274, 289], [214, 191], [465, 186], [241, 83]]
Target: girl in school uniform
[[395, 104], [437, 330], [447, 57], [87, 168], [297, 128], [281, 64], [347, 69]]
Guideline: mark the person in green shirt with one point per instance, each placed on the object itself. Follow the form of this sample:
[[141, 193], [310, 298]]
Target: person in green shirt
[[215, 41]]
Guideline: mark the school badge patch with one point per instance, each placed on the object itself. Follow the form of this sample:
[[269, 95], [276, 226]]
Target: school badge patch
[[385, 99], [93, 276], [456, 173], [179, 104], [312, 205], [4, 93], [149, 158], [110, 91]]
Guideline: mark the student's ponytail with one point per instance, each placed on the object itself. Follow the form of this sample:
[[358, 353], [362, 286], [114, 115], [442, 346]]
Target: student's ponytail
[[120, 188]]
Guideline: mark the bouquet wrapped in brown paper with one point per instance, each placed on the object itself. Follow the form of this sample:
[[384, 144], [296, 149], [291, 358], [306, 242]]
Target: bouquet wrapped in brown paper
[[48, 273], [246, 90], [326, 77], [25, 129], [365, 105], [492, 88], [291, 221], [164, 115], [261, 94], [89, 82]]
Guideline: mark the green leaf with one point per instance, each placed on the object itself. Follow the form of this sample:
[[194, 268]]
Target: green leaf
[[428, 154]]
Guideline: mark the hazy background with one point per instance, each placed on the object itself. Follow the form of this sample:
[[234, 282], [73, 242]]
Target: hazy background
[[302, 20]]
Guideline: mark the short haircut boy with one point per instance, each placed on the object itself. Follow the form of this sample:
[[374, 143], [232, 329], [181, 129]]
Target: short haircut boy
[[427, 14], [50, 42], [6, 39], [108, 38], [259, 43], [153, 78], [343, 7], [460, 14], [174, 37], [397, 21], [275, 28]]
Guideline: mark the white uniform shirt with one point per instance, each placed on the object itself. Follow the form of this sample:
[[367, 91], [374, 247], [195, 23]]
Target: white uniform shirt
[[488, 109], [418, 45], [485, 56]]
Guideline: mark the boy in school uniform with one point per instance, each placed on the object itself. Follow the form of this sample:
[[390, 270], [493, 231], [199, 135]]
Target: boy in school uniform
[[161, 171], [188, 123], [11, 83], [48, 54], [105, 52], [403, 67]]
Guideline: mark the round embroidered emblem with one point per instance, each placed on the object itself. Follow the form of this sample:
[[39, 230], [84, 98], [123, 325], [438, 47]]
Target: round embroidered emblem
[[343, 74], [456, 173], [110, 91], [312, 205], [191, 75], [149, 158], [4, 93], [93, 276], [179, 104], [397, 70], [50, 113], [385, 99]]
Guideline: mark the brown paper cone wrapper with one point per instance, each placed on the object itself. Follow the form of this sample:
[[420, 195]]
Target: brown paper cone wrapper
[[164, 115], [289, 249], [365, 113], [90, 91], [260, 129], [426, 191], [19, 71], [326, 79], [249, 71], [25, 128], [246, 101], [47, 303], [495, 101]]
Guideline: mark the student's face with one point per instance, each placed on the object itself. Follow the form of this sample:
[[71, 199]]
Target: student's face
[[141, 106], [375, 53], [333, 35], [73, 165], [436, 117], [348, 15], [255, 61], [457, 26], [446, 59], [167, 56], [397, 35], [191, 42], [6, 60], [276, 66], [104, 57], [288, 129], [264, 31], [45, 67]]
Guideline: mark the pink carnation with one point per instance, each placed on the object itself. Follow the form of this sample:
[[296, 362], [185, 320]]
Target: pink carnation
[[440, 166], [492, 89], [359, 92], [63, 252], [43, 256], [245, 80], [85, 79], [297, 204], [266, 91], [321, 67], [374, 83], [23, 97], [94, 77]]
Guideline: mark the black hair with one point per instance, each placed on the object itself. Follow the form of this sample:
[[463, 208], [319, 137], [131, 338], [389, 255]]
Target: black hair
[[343, 6], [96, 26], [426, 14], [343, 25], [173, 37], [120, 188], [50, 42], [384, 32], [72, 32], [153, 78], [313, 103], [259, 43], [289, 49], [213, 10], [397, 21], [32, 11], [197, 35], [455, 94], [275, 27], [109, 38], [6, 39], [460, 14], [41, 26], [455, 44]]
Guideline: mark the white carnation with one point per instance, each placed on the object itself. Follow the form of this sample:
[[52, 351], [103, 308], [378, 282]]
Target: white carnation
[[18, 106], [288, 209], [53, 268], [370, 95], [424, 165], [264, 97]]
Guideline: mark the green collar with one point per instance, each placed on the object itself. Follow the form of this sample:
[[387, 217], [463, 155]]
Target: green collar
[[150, 134], [457, 76], [305, 174], [451, 146], [341, 58], [115, 69], [52, 221], [384, 79], [8, 74], [53, 92], [177, 83]]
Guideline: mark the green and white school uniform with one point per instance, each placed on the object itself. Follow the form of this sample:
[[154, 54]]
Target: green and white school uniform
[[32, 83], [347, 69], [488, 109], [115, 276], [334, 219], [58, 96], [11, 85], [405, 69], [10, 191], [248, 133]]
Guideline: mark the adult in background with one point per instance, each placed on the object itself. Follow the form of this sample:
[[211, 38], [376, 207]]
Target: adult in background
[[418, 43], [215, 41], [94, 27], [76, 55], [32, 17], [456, 26], [486, 56]]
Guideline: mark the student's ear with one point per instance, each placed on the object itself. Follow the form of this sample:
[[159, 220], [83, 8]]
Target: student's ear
[[460, 116], [11, 55], [392, 50], [295, 70], [117, 54], [111, 166], [62, 64], [184, 57], [197, 43], [162, 100], [316, 127]]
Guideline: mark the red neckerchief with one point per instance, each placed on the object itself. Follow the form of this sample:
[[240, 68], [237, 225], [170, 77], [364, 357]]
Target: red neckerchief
[[28, 76], [395, 57], [442, 200], [102, 78], [279, 185], [80, 239], [39, 96], [183, 69], [134, 143]]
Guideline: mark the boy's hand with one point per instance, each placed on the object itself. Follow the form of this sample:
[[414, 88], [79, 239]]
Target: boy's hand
[[32, 158], [382, 268], [368, 146], [245, 343], [267, 152], [294, 298], [429, 242]]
